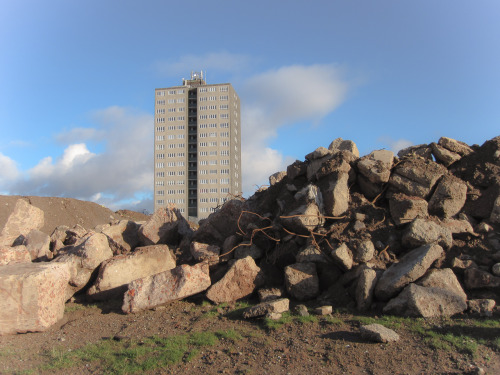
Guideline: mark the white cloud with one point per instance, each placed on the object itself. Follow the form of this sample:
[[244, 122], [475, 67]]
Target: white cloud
[[215, 61], [282, 97], [121, 171], [9, 172], [395, 145]]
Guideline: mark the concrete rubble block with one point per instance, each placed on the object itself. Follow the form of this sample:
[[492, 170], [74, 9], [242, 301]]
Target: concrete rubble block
[[301, 310], [116, 273], [340, 144], [369, 189], [404, 209], [276, 177], [335, 193], [378, 333], [38, 244], [306, 212], [410, 267], [177, 283], [223, 223], [421, 232], [311, 253], [315, 165], [323, 310], [247, 249], [240, 281], [449, 197], [474, 278], [376, 166], [296, 169], [365, 288], [461, 148], [333, 166], [14, 254], [262, 309], [482, 307], [364, 251], [342, 256], [319, 153], [419, 301], [458, 226], [202, 251], [301, 281], [495, 212], [269, 294], [443, 278], [495, 269], [416, 177], [423, 151], [443, 155], [123, 236], [166, 226], [83, 259], [32, 296], [21, 221]]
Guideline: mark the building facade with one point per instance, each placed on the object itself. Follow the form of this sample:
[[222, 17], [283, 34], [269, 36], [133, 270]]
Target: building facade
[[197, 148]]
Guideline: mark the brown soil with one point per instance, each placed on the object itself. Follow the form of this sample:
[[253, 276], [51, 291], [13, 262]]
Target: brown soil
[[67, 211], [320, 347]]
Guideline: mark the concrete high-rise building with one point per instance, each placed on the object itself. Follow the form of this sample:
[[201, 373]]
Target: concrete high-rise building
[[197, 148]]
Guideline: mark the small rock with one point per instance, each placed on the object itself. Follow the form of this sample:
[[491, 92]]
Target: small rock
[[301, 310], [378, 333], [482, 307], [323, 310]]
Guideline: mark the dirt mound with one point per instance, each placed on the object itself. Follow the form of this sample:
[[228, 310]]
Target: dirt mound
[[67, 211]]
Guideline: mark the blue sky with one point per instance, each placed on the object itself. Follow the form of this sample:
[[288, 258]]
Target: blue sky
[[77, 82]]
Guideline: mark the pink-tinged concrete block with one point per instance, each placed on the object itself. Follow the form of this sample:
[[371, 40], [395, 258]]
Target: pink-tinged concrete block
[[32, 296]]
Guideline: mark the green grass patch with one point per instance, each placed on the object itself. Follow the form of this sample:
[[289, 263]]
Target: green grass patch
[[134, 356], [306, 319], [334, 320]]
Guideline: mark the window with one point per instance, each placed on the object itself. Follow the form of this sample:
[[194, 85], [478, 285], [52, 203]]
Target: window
[[160, 93], [224, 89], [213, 171], [181, 182], [171, 101], [181, 145], [160, 111], [203, 209], [203, 117], [180, 201], [203, 191], [181, 100], [203, 144], [180, 127], [160, 128], [160, 165], [224, 97], [171, 127], [181, 109], [171, 92], [213, 190], [224, 106], [224, 116], [180, 136], [181, 173], [212, 98], [160, 147], [160, 201], [212, 107], [202, 89], [213, 153], [213, 180], [171, 136], [180, 118], [224, 162], [170, 200], [160, 174], [203, 182], [213, 162], [212, 116], [172, 145], [224, 153], [224, 181], [171, 192], [203, 171], [203, 135], [224, 190], [171, 173], [160, 137], [180, 91], [224, 171], [170, 182], [203, 99], [171, 119], [203, 200], [180, 154], [171, 155], [202, 162], [203, 108], [214, 200], [180, 164], [171, 109], [224, 134], [160, 102], [160, 120], [180, 191], [213, 126], [212, 144], [160, 183], [211, 89]]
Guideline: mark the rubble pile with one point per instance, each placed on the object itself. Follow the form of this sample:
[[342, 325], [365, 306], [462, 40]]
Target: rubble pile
[[417, 234]]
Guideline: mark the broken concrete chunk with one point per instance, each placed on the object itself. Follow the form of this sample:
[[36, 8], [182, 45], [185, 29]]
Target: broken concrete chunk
[[155, 290], [276, 177], [376, 166], [202, 251], [410, 267], [14, 254], [319, 153], [166, 226], [240, 281], [378, 333], [342, 257], [344, 145], [482, 307], [449, 197], [365, 288], [275, 306], [453, 145], [422, 231], [404, 208], [32, 296], [21, 221], [116, 273], [301, 280], [444, 156], [474, 278]]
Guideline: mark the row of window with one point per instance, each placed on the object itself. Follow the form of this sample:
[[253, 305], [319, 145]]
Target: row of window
[[212, 107], [169, 182], [212, 98], [214, 88], [170, 192], [213, 135], [213, 126], [213, 162]]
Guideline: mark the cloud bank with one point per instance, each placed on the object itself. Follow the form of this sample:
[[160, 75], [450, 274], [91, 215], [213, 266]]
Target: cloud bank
[[111, 162]]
